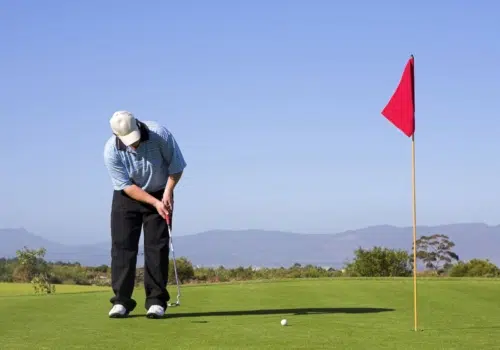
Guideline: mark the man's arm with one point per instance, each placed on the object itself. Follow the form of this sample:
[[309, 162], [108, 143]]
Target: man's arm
[[172, 181], [139, 194], [174, 158], [121, 180]]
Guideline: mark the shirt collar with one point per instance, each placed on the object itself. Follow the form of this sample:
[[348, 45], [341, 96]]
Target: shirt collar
[[144, 136]]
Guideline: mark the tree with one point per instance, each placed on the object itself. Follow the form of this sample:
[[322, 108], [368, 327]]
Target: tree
[[31, 263], [436, 252], [34, 269], [380, 262]]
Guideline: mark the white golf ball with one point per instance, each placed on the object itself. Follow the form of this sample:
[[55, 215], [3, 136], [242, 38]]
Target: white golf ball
[[283, 322]]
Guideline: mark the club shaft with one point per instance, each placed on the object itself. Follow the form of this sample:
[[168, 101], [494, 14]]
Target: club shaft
[[175, 263]]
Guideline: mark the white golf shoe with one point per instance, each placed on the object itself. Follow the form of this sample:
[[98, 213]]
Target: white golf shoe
[[155, 311], [118, 311]]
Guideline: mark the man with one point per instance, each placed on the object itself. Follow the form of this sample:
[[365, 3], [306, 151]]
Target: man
[[145, 164]]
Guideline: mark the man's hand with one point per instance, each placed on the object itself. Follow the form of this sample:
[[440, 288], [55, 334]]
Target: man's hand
[[162, 209], [139, 194], [168, 200], [168, 194]]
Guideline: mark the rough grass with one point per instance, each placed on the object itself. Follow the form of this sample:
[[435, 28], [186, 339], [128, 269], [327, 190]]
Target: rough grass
[[322, 314]]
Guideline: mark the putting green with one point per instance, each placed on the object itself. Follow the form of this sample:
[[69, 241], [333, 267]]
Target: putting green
[[322, 314]]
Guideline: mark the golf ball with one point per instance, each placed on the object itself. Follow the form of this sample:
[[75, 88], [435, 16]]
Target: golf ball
[[283, 322]]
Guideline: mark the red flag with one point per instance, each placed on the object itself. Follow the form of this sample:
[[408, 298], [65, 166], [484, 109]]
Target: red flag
[[400, 110]]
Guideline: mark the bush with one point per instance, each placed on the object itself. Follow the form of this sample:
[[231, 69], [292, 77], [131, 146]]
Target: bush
[[185, 270], [30, 263], [222, 274], [429, 273], [6, 270], [30, 266], [380, 262], [75, 273], [475, 268], [41, 285], [102, 269], [54, 279], [101, 281]]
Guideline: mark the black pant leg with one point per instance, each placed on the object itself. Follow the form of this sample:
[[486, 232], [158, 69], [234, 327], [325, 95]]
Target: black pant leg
[[126, 223], [156, 257]]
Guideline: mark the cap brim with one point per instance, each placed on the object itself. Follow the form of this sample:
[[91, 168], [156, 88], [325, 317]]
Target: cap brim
[[131, 138]]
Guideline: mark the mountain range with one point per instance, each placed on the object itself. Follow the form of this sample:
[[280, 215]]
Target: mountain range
[[261, 248]]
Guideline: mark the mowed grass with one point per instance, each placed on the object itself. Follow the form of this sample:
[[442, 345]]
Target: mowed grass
[[322, 314]]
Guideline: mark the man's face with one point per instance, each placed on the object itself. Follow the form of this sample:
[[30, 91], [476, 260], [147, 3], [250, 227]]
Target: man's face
[[134, 145]]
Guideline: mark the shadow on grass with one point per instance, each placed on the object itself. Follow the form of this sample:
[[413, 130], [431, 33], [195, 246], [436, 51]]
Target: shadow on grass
[[296, 311]]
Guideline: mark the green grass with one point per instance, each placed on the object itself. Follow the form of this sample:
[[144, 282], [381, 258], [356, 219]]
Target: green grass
[[322, 314], [18, 289]]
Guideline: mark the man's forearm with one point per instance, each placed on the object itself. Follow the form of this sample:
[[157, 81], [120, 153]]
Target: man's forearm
[[139, 194], [172, 181]]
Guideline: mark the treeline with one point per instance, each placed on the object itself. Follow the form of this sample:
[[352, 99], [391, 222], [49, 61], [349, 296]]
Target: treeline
[[13, 270], [434, 252]]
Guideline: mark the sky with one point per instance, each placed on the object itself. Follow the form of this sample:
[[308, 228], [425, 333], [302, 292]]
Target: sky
[[276, 106]]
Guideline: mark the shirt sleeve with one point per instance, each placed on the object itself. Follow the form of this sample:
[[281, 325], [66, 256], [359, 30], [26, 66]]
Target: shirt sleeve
[[171, 152], [116, 170]]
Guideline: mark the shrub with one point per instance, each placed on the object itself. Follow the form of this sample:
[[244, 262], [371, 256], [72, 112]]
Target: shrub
[[101, 281], [185, 270], [6, 269], [380, 262], [42, 285], [75, 273], [475, 268]]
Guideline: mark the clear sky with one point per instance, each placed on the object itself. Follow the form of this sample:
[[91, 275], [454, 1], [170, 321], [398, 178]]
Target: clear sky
[[275, 104]]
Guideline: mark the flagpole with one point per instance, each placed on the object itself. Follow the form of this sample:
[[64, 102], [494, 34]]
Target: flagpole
[[415, 310], [400, 111], [414, 233]]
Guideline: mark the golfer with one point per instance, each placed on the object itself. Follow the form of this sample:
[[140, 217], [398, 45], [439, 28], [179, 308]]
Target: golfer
[[145, 164]]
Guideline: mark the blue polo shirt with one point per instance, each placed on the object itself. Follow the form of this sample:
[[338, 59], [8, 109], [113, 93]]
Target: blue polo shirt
[[150, 165]]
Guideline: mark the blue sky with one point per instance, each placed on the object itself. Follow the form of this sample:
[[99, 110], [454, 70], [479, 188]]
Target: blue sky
[[276, 106]]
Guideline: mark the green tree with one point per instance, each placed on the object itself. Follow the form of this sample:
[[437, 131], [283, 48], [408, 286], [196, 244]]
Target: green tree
[[30, 263], [6, 269], [34, 269], [380, 262], [435, 251], [3, 266], [475, 268]]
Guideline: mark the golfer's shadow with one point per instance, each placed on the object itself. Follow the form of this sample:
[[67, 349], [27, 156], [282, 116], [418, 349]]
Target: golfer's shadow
[[294, 311]]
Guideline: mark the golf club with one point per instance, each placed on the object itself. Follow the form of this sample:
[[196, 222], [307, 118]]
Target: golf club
[[177, 303]]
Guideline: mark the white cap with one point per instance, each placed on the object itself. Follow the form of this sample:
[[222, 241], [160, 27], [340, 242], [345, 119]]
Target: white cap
[[125, 127]]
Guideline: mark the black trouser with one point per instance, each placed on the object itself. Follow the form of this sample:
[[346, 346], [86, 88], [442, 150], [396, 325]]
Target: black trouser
[[127, 218]]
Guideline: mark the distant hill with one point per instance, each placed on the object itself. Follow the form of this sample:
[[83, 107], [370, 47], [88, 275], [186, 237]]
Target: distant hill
[[14, 239], [274, 248]]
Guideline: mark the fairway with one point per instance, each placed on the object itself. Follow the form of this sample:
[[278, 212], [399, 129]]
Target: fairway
[[322, 314]]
